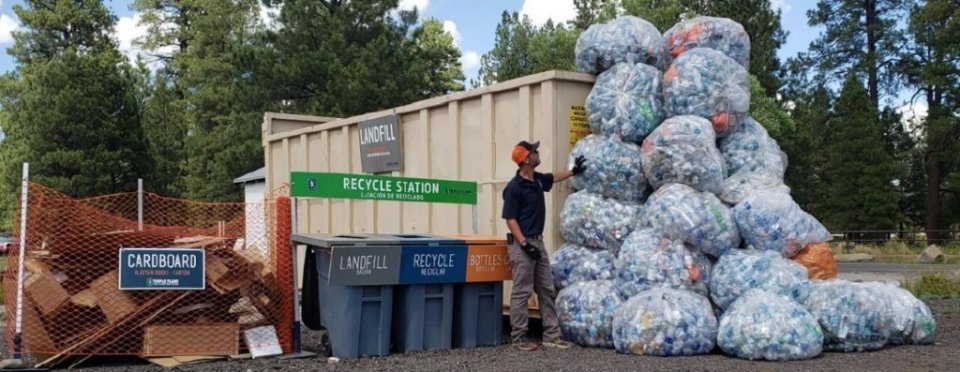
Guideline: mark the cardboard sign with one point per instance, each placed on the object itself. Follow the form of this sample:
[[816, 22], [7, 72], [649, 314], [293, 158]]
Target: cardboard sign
[[162, 269]]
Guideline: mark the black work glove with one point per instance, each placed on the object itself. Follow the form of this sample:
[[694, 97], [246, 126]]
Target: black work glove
[[530, 250], [579, 165]]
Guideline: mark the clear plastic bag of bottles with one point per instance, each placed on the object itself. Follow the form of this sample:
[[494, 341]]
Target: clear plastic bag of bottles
[[912, 321], [596, 222], [852, 316], [763, 325], [626, 39], [586, 310], [665, 322], [573, 263], [772, 221], [613, 169], [751, 149], [740, 185], [741, 270], [626, 101], [648, 260], [722, 34], [683, 150], [697, 218], [706, 83]]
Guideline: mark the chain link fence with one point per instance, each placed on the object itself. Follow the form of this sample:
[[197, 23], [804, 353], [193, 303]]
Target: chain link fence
[[72, 305]]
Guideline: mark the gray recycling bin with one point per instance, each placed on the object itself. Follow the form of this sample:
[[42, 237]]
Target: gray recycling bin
[[370, 289]]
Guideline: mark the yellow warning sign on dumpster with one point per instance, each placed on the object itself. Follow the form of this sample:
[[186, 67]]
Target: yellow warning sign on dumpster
[[579, 126]]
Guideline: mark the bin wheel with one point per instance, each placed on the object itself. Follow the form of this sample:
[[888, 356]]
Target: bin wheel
[[325, 344]]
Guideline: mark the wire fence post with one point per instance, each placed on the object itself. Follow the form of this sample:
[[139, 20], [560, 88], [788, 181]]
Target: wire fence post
[[24, 186], [139, 204], [296, 290]]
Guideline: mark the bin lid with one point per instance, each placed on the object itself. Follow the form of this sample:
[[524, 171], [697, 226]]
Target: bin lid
[[416, 239], [346, 239], [481, 239]]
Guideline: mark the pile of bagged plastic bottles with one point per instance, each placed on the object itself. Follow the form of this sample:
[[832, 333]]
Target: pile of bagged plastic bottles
[[681, 235]]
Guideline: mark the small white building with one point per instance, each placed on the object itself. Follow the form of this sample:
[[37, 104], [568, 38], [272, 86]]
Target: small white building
[[254, 188]]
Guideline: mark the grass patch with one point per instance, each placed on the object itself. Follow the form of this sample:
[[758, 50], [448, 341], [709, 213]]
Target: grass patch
[[934, 285]]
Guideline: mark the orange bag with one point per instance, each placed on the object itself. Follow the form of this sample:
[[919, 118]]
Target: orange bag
[[818, 260]]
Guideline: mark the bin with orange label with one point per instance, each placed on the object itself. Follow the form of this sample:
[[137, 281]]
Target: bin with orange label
[[479, 300]]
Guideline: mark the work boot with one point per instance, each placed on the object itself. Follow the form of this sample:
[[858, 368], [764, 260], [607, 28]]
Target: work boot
[[523, 345], [557, 343]]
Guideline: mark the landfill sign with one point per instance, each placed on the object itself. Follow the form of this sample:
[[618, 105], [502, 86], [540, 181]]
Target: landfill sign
[[357, 186], [579, 125]]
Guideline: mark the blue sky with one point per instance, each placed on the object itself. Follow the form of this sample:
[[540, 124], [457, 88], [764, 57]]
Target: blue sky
[[471, 22]]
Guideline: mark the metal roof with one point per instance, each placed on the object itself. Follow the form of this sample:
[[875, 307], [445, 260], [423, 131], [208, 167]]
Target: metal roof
[[257, 175]]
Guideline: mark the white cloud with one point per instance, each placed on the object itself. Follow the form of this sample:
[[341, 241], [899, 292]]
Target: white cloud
[[421, 5], [8, 25], [912, 115], [540, 11], [451, 28], [782, 5], [470, 60], [128, 31]]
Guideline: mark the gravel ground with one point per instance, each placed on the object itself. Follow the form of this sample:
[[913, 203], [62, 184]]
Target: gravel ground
[[941, 356]]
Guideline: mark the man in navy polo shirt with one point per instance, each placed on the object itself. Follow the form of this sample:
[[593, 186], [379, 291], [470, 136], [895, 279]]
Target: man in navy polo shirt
[[525, 210]]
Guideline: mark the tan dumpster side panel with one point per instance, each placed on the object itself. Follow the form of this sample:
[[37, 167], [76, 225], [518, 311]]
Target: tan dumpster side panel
[[465, 135]]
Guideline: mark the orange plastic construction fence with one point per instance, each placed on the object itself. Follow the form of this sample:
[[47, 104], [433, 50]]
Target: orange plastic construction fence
[[72, 304]]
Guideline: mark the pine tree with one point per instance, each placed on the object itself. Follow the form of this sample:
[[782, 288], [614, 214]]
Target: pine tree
[[933, 70], [861, 37], [337, 58], [860, 172], [520, 49], [805, 146], [71, 107]]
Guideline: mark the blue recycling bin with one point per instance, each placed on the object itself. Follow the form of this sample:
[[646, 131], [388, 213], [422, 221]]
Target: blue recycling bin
[[479, 319], [423, 308]]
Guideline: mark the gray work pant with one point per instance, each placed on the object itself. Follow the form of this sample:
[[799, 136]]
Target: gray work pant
[[532, 276]]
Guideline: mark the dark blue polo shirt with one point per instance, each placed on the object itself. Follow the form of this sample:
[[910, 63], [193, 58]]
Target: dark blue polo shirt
[[523, 200]]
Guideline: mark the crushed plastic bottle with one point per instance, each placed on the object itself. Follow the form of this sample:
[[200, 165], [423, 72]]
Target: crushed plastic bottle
[[750, 148], [741, 270], [586, 311], [613, 169], [665, 322], [648, 260], [852, 316], [740, 185], [697, 218], [573, 263], [683, 150], [772, 221], [763, 325], [626, 101], [596, 222], [912, 321], [626, 39], [722, 34], [706, 83]]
